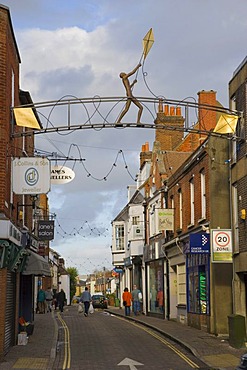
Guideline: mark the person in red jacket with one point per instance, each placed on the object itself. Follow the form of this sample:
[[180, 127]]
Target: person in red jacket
[[127, 298]]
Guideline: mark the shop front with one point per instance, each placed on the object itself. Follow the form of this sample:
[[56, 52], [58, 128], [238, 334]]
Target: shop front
[[198, 281], [155, 288]]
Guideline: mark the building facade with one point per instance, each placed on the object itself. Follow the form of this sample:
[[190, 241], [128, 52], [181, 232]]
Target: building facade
[[238, 101]]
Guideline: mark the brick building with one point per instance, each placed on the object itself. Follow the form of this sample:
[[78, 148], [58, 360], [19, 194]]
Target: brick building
[[238, 101], [16, 211], [185, 176]]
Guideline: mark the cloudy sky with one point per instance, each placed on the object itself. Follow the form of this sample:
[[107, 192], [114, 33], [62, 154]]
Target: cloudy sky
[[78, 48]]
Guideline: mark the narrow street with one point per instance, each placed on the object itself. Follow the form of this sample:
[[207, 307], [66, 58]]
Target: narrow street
[[105, 341]]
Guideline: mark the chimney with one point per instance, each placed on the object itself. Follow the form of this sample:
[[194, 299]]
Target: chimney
[[169, 116], [145, 154], [206, 117]]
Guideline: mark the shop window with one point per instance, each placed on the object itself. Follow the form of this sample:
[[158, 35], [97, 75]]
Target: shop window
[[155, 287], [198, 283]]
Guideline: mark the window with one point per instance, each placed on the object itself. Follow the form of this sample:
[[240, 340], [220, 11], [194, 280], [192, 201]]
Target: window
[[181, 284], [192, 202], [155, 287], [198, 283], [13, 89], [119, 235], [203, 195], [180, 208], [172, 202], [235, 213], [135, 220]]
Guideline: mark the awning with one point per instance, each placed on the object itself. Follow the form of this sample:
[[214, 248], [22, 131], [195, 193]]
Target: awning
[[36, 265]]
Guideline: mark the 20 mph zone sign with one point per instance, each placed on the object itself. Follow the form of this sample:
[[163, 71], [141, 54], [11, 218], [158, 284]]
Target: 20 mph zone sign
[[221, 245]]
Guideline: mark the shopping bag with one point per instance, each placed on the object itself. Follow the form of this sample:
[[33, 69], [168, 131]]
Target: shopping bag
[[91, 309], [80, 308], [140, 296]]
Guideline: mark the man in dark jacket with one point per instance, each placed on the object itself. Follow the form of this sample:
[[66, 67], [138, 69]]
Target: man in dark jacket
[[61, 298]]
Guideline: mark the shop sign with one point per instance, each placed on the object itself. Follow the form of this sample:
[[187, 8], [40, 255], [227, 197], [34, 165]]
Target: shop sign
[[61, 175], [31, 175], [166, 219], [221, 245], [199, 243], [45, 230], [118, 271], [127, 262]]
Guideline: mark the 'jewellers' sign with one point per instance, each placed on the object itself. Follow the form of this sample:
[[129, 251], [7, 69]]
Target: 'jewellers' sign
[[45, 230], [61, 175]]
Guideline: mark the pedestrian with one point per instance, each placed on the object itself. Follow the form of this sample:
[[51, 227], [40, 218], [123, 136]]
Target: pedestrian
[[41, 300], [86, 299], [55, 302], [48, 299], [160, 300], [61, 298], [136, 298], [127, 298], [153, 298]]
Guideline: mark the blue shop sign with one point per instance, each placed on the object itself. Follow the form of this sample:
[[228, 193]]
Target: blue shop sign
[[118, 271], [199, 243]]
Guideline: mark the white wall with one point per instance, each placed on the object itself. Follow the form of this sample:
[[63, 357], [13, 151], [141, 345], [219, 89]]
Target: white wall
[[65, 285]]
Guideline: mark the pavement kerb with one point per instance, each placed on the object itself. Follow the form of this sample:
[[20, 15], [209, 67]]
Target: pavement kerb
[[53, 351], [167, 335]]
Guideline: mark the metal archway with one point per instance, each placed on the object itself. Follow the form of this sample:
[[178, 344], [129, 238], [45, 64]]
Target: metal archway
[[101, 112]]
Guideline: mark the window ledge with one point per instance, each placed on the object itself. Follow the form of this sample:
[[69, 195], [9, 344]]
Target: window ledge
[[181, 305], [201, 220], [190, 226]]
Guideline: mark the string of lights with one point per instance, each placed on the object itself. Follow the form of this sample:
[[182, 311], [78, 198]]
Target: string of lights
[[86, 227], [82, 265]]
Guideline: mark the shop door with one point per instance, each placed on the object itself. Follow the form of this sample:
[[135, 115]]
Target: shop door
[[9, 339]]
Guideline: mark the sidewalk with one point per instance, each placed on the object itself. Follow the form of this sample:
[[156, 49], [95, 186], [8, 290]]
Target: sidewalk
[[214, 351], [40, 351]]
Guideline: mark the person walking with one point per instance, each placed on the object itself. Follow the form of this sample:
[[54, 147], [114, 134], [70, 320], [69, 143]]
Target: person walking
[[41, 301], [86, 299], [48, 299], [136, 299], [127, 298], [61, 298]]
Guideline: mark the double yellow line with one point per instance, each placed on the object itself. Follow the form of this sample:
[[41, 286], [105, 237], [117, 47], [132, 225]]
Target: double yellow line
[[67, 352], [161, 339]]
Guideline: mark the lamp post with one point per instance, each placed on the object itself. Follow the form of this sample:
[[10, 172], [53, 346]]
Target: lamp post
[[104, 281]]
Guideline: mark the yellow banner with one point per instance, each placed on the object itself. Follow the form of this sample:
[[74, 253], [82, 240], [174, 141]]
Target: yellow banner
[[226, 124], [25, 117]]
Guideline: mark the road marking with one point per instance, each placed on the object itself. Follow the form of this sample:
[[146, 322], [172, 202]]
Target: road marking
[[67, 352], [161, 339], [129, 362]]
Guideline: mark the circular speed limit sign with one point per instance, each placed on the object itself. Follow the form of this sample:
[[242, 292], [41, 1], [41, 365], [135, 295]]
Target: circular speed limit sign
[[222, 239], [221, 245]]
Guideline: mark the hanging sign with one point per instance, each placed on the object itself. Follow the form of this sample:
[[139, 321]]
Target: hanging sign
[[61, 175], [221, 245], [31, 175], [45, 230], [165, 219]]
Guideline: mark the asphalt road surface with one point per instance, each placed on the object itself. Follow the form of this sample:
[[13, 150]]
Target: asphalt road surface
[[103, 341]]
